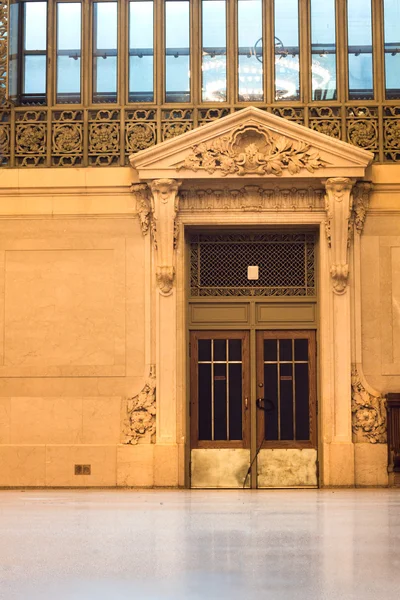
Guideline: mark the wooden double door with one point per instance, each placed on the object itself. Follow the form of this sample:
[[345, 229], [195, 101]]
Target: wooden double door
[[253, 409]]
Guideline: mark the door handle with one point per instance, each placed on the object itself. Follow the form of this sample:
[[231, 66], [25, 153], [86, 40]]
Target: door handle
[[246, 403]]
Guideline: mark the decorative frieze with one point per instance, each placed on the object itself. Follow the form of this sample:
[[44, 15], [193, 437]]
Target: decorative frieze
[[250, 198], [253, 150], [368, 412], [338, 205], [140, 413]]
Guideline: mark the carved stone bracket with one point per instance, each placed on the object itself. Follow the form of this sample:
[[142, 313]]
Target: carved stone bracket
[[338, 205], [140, 415], [368, 412], [165, 205]]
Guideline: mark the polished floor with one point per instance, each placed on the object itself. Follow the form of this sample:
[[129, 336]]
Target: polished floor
[[311, 545]]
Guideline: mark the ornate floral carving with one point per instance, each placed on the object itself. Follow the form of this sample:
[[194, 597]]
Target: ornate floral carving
[[253, 150], [329, 127], [140, 416], [368, 412], [143, 205], [103, 137], [140, 136], [31, 138], [67, 138]]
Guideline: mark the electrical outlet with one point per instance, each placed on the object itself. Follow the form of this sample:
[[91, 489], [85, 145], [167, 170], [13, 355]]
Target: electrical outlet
[[83, 469]]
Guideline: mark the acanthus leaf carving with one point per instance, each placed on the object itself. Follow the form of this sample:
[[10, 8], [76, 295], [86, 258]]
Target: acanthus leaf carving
[[253, 150], [144, 207], [361, 194], [140, 417], [368, 412], [340, 275]]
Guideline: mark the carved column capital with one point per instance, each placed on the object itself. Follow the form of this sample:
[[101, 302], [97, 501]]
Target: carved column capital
[[338, 206], [165, 206]]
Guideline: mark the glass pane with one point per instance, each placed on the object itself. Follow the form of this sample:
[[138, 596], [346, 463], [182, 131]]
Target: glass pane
[[68, 51], [177, 51], [301, 349], [35, 26], [141, 52], [285, 349], [270, 347], [220, 408], [105, 40], [35, 74], [235, 350], [360, 49], [204, 389], [302, 406], [287, 66], [204, 349], [323, 50], [271, 402], [35, 38], [250, 46], [214, 51], [235, 401], [286, 386], [219, 349], [392, 48]]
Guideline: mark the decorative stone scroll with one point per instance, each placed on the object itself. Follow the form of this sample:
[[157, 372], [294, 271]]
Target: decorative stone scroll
[[338, 205], [140, 417], [368, 412], [253, 150], [143, 205]]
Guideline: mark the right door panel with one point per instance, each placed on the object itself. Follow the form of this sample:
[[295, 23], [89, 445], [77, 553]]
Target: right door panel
[[286, 409]]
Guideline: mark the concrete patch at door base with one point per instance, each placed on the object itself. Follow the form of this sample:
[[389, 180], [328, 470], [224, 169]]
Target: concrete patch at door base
[[219, 467], [284, 468]]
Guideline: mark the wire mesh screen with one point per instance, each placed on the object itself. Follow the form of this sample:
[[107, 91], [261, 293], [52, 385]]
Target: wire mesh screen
[[286, 262]]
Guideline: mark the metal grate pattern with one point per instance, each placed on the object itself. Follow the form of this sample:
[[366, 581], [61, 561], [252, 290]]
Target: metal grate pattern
[[218, 264]]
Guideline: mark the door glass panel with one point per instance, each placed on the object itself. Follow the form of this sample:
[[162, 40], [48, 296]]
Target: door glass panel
[[270, 350], [235, 399], [302, 401], [235, 350], [286, 402], [285, 349], [205, 350], [220, 389], [286, 390], [205, 402], [271, 402], [220, 405]]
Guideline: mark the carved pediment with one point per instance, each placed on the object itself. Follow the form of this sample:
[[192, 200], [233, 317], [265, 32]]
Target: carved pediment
[[251, 143], [253, 150]]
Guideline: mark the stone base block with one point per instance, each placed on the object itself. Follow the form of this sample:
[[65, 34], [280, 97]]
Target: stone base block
[[371, 465], [135, 465], [166, 465], [341, 465]]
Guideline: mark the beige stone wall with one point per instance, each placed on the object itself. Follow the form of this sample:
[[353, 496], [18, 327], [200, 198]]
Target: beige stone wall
[[72, 325]]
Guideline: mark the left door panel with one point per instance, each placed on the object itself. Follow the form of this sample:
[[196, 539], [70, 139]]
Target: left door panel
[[220, 408]]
